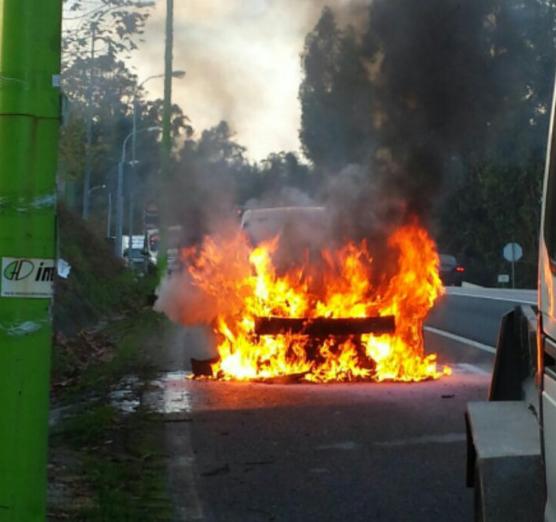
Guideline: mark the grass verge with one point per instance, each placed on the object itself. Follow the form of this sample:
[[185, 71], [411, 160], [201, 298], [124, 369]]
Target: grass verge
[[108, 465]]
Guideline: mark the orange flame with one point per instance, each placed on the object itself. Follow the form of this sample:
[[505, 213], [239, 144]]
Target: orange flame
[[242, 283]]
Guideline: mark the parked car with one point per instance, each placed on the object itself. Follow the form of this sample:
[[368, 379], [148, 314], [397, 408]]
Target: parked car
[[451, 272], [135, 259]]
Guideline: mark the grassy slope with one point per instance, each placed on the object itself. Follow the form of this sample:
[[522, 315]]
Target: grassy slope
[[98, 284], [111, 462]]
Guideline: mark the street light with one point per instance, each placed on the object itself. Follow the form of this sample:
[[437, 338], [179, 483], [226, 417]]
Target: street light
[[120, 192], [175, 74], [178, 73], [98, 187]]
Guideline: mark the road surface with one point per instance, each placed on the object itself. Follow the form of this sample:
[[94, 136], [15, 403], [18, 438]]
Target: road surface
[[474, 313], [357, 452]]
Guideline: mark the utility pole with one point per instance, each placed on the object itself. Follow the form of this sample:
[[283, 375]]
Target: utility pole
[[109, 216], [132, 176], [167, 106], [166, 136], [30, 34], [89, 128]]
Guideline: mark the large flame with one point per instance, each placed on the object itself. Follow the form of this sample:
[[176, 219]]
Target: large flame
[[242, 283]]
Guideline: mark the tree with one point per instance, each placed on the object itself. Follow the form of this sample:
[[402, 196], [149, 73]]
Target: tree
[[335, 98], [495, 205], [102, 92], [115, 23], [458, 94], [498, 200], [283, 169]]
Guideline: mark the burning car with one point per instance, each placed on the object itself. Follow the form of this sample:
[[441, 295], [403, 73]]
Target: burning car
[[283, 304]]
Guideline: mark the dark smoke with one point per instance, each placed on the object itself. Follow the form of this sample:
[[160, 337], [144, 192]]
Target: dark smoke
[[413, 91], [433, 89]]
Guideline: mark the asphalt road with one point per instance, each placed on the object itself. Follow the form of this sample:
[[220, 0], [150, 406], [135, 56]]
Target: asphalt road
[[475, 313], [357, 452]]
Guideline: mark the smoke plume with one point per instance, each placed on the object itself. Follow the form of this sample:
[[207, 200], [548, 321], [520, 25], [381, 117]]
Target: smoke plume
[[429, 93], [435, 92]]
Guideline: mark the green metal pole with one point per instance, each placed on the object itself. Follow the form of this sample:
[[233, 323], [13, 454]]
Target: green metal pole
[[30, 32], [166, 138]]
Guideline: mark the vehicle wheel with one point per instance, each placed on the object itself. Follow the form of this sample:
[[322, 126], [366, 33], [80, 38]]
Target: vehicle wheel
[[478, 496]]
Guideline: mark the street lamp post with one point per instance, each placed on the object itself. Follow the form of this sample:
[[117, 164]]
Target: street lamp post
[[120, 191], [89, 128]]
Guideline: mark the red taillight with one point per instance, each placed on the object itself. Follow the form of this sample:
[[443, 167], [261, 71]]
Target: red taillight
[[460, 269]]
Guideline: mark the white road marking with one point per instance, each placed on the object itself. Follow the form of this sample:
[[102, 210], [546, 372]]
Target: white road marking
[[187, 504], [460, 339], [446, 438], [469, 368], [348, 445], [171, 397], [511, 298]]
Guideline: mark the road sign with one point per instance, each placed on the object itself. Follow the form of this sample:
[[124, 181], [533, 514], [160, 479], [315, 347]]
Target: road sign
[[151, 217], [512, 252], [503, 278]]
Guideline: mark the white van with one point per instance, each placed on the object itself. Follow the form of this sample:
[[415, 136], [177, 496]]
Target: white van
[[307, 224]]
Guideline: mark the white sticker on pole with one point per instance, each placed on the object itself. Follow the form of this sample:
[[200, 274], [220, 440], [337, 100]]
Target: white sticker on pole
[[27, 277]]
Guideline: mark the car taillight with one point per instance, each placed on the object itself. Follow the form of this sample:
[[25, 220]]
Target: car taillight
[[460, 269]]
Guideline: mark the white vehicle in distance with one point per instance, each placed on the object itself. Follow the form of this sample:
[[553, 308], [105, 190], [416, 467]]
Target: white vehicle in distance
[[307, 224]]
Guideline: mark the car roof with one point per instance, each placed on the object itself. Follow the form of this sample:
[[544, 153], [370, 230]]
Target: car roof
[[264, 223], [447, 258]]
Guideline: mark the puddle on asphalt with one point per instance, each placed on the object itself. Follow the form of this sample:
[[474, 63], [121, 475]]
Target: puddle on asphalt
[[126, 397], [167, 394]]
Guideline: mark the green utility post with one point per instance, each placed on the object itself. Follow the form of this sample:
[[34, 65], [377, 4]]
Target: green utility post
[[30, 33]]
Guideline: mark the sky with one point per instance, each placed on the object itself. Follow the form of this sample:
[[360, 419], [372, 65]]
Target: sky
[[242, 63]]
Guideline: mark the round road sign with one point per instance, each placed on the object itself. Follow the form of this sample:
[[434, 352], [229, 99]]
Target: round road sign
[[512, 252]]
